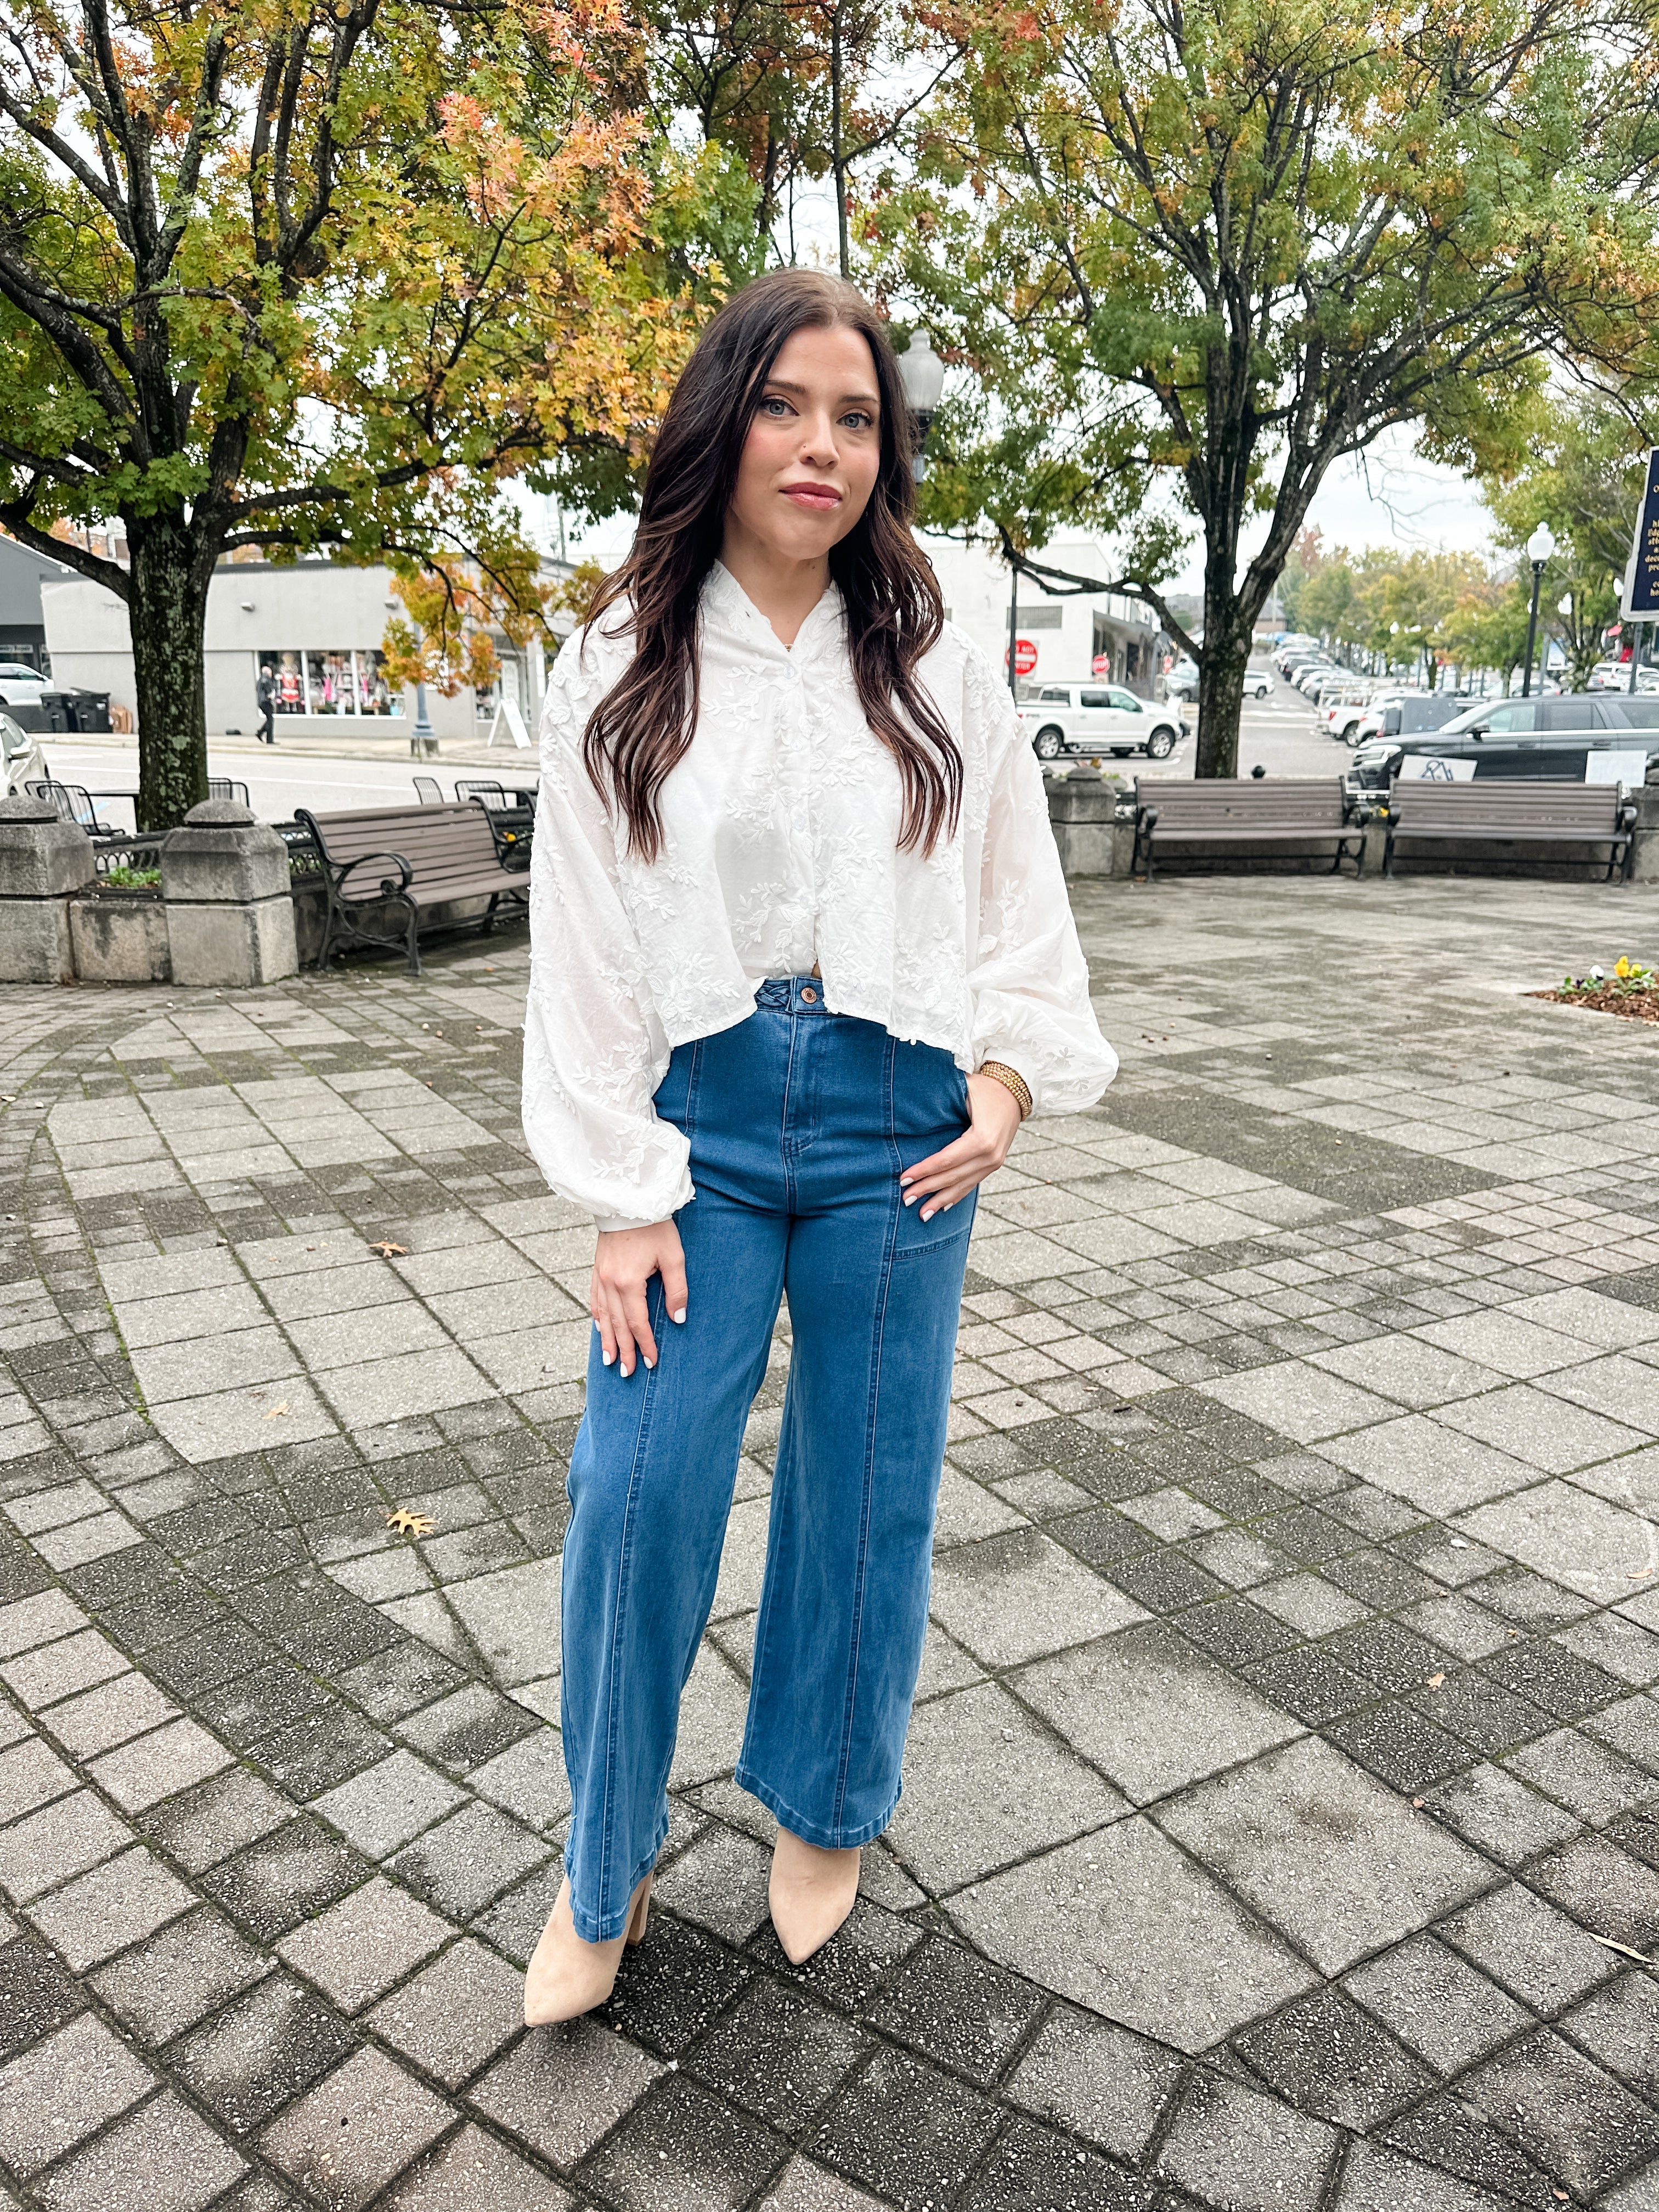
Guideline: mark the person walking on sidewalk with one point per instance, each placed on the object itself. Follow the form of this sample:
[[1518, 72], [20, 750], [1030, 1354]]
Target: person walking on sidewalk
[[801, 961], [265, 692]]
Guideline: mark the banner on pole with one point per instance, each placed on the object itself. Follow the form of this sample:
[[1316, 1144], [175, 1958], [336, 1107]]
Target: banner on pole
[[1640, 602]]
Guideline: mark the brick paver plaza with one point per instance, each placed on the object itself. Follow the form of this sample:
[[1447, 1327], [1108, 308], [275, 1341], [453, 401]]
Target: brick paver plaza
[[1283, 1781]]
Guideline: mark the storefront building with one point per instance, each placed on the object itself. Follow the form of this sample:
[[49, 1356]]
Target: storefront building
[[317, 629], [1058, 640]]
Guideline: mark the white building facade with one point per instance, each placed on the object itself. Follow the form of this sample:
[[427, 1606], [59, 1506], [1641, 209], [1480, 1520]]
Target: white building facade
[[317, 628], [1058, 640]]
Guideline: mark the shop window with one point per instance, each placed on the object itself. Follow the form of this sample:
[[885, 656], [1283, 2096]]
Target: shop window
[[340, 682]]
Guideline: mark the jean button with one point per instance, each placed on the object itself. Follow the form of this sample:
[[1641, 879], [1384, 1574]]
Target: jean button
[[808, 996]]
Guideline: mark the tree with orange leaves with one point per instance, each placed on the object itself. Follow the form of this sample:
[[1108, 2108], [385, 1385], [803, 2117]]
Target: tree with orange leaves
[[321, 278], [1198, 251]]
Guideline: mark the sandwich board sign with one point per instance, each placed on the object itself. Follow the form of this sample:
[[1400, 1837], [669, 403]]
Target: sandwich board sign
[[508, 717], [1640, 602]]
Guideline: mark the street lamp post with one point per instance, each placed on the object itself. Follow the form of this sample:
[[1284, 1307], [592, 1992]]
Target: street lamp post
[[923, 373], [1539, 546]]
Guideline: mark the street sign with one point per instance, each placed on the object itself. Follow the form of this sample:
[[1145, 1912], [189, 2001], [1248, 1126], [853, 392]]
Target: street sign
[[1101, 664], [1025, 656], [1641, 596]]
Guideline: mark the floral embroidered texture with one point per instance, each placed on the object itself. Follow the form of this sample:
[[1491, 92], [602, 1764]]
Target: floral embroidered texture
[[780, 850]]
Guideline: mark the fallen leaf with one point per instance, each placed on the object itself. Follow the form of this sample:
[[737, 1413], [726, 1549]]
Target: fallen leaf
[[1418, 1803], [1624, 1949], [388, 1250], [411, 1524], [1435, 1680], [1638, 1574], [271, 1412]]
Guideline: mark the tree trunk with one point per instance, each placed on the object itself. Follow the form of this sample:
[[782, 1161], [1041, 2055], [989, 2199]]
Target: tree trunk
[[1227, 636], [168, 616]]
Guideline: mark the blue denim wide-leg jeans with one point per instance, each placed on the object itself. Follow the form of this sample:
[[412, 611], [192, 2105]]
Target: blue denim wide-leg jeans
[[800, 1122]]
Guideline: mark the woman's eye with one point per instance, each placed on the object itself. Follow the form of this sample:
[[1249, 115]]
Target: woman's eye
[[858, 420], [774, 407]]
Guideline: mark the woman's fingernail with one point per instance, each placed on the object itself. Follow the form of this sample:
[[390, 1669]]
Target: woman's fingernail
[[650, 1363], [911, 1196], [927, 1213], [608, 1356], [680, 1315]]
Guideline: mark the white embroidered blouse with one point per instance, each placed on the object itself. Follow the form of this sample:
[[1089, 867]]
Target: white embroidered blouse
[[780, 850]]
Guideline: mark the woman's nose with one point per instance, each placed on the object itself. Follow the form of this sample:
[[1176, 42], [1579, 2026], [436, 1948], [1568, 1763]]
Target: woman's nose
[[819, 442]]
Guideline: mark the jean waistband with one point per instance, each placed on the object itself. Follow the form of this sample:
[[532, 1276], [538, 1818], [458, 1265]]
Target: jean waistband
[[792, 994]]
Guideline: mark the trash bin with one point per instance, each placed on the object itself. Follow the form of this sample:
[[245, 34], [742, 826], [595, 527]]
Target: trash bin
[[89, 711], [55, 706]]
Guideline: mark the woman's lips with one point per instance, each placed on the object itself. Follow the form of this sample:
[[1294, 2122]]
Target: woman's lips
[[820, 498]]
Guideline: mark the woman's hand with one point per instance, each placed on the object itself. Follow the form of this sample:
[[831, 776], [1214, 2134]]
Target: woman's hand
[[940, 1180], [624, 1260]]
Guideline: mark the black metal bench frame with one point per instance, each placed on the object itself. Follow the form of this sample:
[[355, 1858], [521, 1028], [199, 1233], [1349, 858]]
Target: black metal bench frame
[[342, 921]]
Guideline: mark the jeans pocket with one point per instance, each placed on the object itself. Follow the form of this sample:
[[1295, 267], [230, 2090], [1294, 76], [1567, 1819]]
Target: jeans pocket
[[915, 1238], [676, 1097], [930, 1096]]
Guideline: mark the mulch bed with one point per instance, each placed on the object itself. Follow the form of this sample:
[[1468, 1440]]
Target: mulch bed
[[1634, 1005]]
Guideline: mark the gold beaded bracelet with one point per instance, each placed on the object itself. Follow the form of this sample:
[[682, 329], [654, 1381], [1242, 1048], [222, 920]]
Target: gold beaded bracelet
[[1011, 1081]]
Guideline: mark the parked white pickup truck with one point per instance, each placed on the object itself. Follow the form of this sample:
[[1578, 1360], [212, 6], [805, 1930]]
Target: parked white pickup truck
[[1098, 718]]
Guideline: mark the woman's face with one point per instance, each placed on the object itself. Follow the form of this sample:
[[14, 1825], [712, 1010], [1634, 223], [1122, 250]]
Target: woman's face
[[814, 447]]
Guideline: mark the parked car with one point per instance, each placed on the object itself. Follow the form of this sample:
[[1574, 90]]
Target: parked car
[[21, 685], [1541, 739], [1098, 718], [1340, 707], [1182, 681], [1307, 680], [1609, 676], [1407, 714], [1258, 681]]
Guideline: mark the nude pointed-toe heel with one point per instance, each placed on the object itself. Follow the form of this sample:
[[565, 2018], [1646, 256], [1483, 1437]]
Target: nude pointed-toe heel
[[641, 1915], [567, 1976], [810, 1891]]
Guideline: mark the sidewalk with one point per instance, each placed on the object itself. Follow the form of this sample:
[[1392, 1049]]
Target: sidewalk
[[1285, 1776]]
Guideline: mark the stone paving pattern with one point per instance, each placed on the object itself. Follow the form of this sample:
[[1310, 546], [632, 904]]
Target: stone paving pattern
[[1286, 1764]]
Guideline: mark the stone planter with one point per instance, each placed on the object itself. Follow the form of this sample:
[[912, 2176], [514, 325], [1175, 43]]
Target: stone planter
[[120, 937], [224, 916], [43, 863], [230, 908]]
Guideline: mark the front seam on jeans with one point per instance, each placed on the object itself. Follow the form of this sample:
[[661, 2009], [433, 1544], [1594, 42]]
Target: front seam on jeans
[[856, 1649], [623, 1565]]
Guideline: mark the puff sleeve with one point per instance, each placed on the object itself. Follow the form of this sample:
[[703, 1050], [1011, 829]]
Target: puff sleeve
[[595, 1048]]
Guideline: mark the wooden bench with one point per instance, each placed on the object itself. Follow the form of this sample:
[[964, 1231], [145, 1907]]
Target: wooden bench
[[409, 858], [1499, 811], [1248, 814]]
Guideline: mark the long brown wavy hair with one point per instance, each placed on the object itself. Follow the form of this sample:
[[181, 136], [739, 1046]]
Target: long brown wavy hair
[[643, 726]]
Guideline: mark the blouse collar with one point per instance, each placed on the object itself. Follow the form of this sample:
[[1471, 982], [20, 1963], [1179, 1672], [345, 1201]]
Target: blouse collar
[[726, 602]]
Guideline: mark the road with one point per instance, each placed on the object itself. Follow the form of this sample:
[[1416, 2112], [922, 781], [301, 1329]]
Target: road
[[276, 784], [1276, 734]]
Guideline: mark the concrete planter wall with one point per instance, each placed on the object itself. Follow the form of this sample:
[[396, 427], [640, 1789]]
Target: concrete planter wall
[[120, 937], [224, 915]]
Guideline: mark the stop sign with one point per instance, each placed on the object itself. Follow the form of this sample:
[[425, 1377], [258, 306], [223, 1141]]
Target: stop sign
[[1025, 656], [1101, 664]]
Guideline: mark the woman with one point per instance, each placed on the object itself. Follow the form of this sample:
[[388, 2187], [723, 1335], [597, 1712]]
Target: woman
[[801, 961]]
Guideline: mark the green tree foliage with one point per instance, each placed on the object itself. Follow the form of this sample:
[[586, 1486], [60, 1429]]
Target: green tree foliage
[[1582, 472], [301, 276], [1193, 256]]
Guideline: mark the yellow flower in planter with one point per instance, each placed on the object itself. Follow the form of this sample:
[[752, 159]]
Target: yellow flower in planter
[[1623, 969]]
